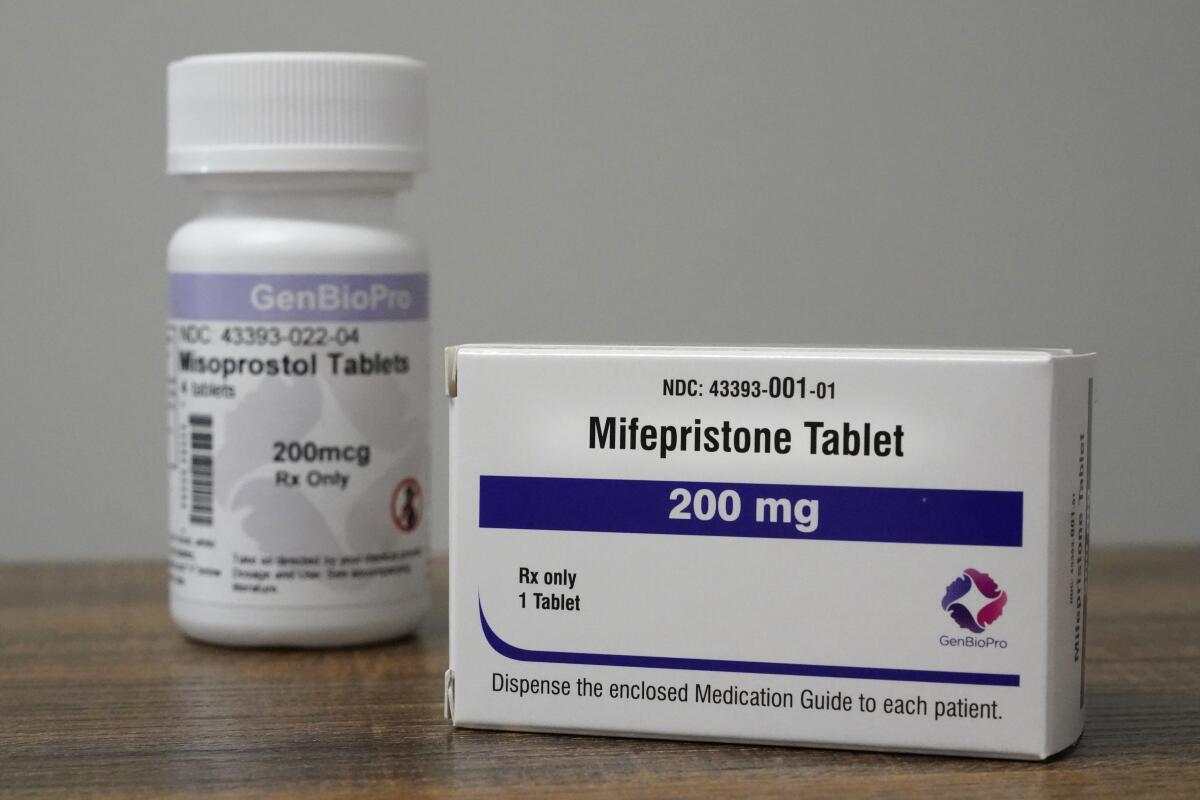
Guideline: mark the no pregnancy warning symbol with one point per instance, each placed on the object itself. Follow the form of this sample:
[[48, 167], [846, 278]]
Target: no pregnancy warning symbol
[[407, 505]]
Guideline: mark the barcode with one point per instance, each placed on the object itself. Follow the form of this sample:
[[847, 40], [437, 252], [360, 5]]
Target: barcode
[[202, 469]]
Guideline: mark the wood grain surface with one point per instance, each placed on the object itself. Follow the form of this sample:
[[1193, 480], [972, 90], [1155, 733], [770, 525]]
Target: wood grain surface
[[99, 696]]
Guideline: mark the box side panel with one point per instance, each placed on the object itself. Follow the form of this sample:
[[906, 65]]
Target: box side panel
[[1070, 525]]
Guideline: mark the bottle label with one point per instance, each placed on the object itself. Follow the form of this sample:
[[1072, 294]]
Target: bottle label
[[298, 438]]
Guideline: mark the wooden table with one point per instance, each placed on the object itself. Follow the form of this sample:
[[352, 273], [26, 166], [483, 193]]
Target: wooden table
[[100, 695]]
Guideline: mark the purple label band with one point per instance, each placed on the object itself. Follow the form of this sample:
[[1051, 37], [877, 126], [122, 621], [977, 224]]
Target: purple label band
[[244, 297], [748, 667], [979, 518]]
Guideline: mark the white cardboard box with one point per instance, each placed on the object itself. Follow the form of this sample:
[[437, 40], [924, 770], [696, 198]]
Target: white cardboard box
[[711, 543]]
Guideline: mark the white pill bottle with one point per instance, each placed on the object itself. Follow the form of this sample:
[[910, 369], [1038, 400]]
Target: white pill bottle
[[298, 341]]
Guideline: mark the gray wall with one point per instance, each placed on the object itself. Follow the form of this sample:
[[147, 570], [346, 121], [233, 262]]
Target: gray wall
[[923, 173]]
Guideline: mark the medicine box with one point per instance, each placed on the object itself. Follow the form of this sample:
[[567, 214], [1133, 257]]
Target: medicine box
[[853, 548]]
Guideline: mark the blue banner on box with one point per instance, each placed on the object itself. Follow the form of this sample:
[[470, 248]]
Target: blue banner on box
[[773, 511]]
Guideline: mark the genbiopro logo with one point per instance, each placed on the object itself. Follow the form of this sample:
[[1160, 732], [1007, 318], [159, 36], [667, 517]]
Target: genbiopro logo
[[974, 601]]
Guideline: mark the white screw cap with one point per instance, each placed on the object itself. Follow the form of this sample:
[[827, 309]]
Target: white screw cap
[[296, 112]]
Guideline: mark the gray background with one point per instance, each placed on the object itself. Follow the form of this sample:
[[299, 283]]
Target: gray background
[[860, 173]]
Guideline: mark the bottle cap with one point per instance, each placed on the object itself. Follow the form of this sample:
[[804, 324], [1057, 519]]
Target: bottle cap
[[296, 112]]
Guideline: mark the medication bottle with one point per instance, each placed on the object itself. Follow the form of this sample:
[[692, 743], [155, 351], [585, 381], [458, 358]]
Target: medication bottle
[[298, 362]]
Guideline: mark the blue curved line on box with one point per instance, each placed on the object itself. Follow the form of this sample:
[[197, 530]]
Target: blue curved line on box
[[751, 667]]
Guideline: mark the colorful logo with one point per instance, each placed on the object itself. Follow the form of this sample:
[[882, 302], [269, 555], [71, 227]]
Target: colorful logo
[[987, 611]]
